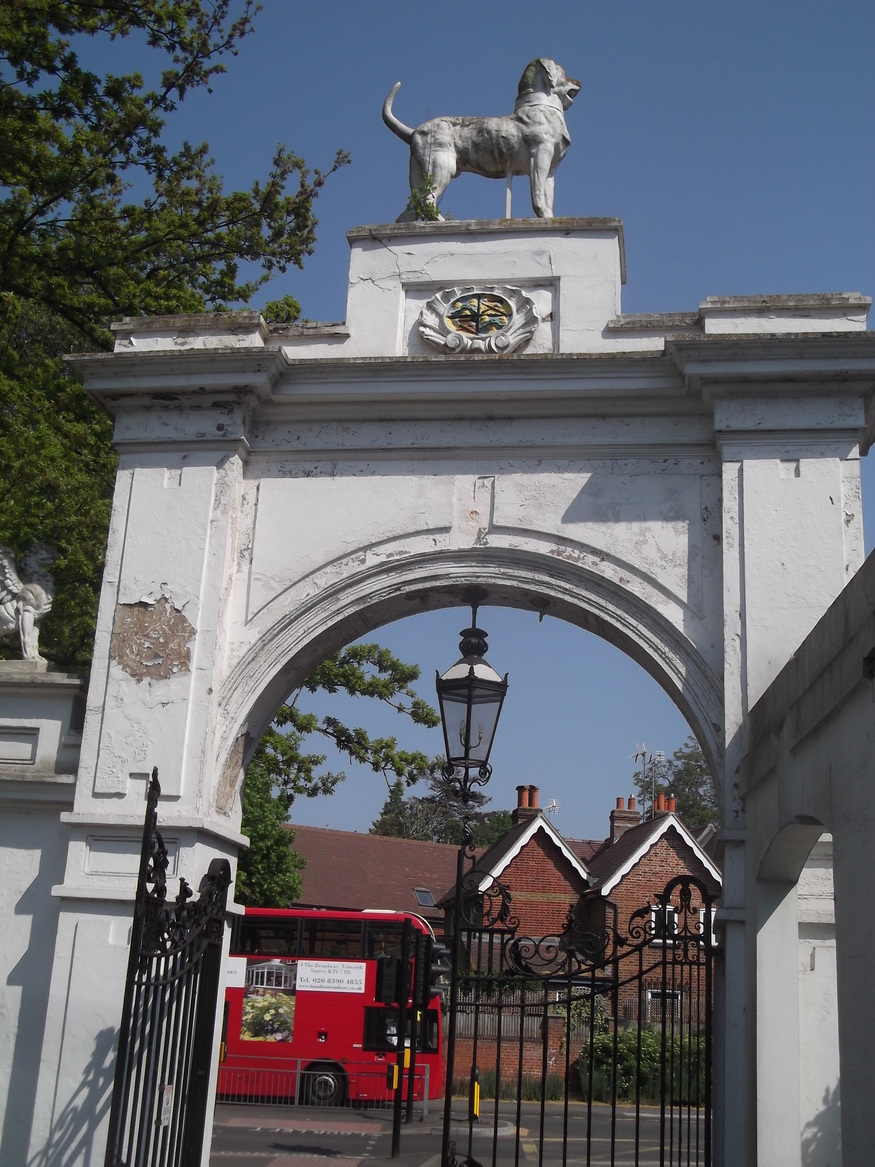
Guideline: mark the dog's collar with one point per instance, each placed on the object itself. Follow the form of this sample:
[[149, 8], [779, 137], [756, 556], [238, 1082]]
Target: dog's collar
[[538, 98]]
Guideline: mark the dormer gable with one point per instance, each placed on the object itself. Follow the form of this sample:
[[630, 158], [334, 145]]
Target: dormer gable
[[613, 863], [493, 864]]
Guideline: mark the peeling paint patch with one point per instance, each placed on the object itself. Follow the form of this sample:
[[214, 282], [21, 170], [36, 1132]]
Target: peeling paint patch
[[151, 641], [227, 786]]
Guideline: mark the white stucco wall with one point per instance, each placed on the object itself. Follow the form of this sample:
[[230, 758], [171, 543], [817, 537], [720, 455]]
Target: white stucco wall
[[39, 749], [686, 488], [819, 1093]]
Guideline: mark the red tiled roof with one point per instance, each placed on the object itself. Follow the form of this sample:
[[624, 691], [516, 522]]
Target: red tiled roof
[[346, 869], [610, 857], [584, 849]]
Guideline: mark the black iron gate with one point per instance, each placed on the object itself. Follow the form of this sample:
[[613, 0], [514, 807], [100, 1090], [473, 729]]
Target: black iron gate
[[160, 1093], [597, 1040]]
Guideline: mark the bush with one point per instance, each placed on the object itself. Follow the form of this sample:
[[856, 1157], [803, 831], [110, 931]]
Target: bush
[[684, 1068]]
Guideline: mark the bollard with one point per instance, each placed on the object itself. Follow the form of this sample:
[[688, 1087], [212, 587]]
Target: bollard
[[474, 1096]]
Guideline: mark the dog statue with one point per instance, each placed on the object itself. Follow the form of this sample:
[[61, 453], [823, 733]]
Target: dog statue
[[533, 140], [23, 605]]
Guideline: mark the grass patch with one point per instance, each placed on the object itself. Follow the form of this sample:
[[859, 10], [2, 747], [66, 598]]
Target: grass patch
[[530, 1088]]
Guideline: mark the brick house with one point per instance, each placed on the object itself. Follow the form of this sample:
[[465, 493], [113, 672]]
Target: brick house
[[548, 875], [602, 883], [544, 874], [637, 860]]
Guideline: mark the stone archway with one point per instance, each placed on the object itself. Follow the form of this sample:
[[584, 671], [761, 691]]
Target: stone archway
[[296, 639], [686, 485]]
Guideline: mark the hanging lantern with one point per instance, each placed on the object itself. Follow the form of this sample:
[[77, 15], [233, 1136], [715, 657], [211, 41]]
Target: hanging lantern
[[470, 695]]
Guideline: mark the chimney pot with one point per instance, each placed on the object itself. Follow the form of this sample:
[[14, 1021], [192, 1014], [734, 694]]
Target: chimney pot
[[622, 819], [522, 796], [672, 804], [631, 802], [533, 797]]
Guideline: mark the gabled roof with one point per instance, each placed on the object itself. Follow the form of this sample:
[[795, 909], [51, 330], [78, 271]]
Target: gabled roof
[[493, 862], [615, 860], [584, 849], [346, 869]]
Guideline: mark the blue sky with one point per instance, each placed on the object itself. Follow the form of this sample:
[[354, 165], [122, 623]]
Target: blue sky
[[733, 139]]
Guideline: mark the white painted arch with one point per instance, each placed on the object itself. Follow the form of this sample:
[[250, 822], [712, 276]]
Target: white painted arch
[[292, 638]]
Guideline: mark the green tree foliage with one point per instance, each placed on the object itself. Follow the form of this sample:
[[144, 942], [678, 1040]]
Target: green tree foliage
[[100, 218], [268, 870], [438, 817], [283, 767], [57, 469], [685, 775]]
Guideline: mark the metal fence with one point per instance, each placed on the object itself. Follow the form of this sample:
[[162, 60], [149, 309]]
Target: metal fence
[[295, 1085], [160, 1095]]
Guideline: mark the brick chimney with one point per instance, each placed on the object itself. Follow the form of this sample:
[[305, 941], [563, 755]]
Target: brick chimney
[[623, 817], [526, 804]]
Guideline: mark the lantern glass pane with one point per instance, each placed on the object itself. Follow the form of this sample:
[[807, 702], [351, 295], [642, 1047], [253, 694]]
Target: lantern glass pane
[[469, 734]]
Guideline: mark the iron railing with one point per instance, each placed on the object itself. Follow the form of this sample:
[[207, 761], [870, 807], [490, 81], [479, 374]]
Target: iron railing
[[161, 1088]]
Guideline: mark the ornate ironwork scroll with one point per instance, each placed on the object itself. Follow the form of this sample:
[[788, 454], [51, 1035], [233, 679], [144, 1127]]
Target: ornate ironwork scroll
[[160, 1093]]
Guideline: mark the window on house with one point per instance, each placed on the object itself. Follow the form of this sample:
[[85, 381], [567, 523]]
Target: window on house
[[424, 897], [665, 923], [703, 912], [663, 1005]]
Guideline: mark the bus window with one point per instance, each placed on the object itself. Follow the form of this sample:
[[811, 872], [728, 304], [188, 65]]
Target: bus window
[[336, 938], [381, 1030], [429, 1036], [382, 939], [268, 937]]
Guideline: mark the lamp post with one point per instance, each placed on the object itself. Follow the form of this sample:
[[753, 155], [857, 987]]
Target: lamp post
[[470, 695]]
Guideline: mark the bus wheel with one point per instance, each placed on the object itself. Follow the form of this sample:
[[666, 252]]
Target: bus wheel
[[324, 1085]]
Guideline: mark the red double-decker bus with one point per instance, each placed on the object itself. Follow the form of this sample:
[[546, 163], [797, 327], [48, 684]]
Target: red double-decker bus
[[306, 1017]]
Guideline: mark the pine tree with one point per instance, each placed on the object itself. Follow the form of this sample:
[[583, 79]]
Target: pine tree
[[438, 817]]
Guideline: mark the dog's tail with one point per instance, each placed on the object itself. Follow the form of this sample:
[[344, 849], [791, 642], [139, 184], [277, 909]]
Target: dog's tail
[[405, 133]]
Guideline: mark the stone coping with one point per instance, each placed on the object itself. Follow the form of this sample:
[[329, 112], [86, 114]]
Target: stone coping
[[488, 226], [447, 228], [785, 301], [241, 318], [25, 672]]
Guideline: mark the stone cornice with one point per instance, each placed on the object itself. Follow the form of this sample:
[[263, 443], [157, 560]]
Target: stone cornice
[[768, 357], [689, 378], [194, 372]]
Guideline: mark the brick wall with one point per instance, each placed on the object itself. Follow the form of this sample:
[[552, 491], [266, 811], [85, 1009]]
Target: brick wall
[[544, 886], [532, 1053], [668, 857]]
